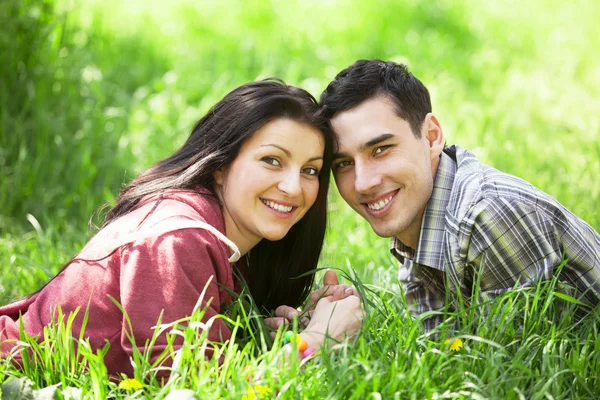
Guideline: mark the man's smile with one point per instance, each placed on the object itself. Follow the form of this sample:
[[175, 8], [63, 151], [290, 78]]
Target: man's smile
[[380, 205]]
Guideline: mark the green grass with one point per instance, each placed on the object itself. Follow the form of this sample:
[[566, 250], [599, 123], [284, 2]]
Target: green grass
[[528, 347], [91, 93]]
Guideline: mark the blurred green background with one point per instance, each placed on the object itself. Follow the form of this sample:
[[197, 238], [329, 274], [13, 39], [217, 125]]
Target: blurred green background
[[93, 92]]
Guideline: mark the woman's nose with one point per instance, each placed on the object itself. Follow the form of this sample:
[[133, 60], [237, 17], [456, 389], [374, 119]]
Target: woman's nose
[[290, 184]]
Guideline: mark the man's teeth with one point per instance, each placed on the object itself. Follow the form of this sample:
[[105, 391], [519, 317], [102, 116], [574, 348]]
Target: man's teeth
[[278, 207], [380, 204]]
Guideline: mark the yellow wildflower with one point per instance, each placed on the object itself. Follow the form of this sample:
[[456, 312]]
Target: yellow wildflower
[[262, 390], [456, 344], [256, 392], [130, 384]]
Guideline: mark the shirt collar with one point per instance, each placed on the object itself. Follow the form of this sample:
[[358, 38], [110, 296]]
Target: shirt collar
[[430, 248]]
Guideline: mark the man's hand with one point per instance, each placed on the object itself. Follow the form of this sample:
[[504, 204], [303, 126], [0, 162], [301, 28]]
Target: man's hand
[[331, 287], [337, 319], [284, 315]]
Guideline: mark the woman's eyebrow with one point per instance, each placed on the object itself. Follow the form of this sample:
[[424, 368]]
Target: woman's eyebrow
[[288, 153]]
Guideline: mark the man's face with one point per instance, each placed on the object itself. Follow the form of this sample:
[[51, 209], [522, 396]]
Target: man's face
[[382, 170]]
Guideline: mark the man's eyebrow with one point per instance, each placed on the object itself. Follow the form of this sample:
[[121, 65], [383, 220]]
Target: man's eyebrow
[[381, 138], [376, 140], [289, 154]]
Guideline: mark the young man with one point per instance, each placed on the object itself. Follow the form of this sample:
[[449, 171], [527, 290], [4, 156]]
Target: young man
[[452, 220]]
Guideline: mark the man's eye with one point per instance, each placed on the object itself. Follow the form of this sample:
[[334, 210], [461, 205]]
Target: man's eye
[[271, 161], [381, 149], [312, 171], [343, 164]]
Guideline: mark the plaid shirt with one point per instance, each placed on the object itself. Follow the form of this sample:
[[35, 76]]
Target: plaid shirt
[[512, 233]]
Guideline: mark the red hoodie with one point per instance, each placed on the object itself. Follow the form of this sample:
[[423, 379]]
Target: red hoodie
[[166, 272]]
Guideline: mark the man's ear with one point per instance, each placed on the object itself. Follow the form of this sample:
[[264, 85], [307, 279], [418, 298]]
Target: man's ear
[[432, 131]]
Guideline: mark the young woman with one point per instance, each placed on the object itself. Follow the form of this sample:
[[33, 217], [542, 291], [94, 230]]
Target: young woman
[[248, 187]]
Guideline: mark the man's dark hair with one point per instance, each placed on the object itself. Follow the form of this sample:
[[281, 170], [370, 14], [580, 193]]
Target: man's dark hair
[[366, 79]]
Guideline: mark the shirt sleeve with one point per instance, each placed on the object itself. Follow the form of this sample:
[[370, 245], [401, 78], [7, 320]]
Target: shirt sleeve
[[513, 244], [168, 274]]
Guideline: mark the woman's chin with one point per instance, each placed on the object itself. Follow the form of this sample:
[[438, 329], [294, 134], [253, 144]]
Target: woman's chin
[[275, 236]]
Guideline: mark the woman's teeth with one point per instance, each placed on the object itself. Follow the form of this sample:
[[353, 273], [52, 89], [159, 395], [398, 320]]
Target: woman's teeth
[[278, 207]]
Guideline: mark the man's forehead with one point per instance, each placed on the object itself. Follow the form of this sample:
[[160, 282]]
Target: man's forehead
[[375, 114], [358, 128], [371, 106]]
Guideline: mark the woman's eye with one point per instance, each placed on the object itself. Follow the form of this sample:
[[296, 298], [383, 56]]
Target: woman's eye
[[271, 161], [312, 171]]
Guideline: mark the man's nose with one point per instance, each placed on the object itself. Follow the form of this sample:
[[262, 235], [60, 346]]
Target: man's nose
[[366, 178]]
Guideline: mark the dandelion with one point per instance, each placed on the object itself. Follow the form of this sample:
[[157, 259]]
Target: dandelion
[[262, 390], [456, 344], [130, 384], [256, 392]]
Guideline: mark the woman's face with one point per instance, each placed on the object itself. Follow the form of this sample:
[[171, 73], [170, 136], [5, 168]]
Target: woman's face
[[272, 183]]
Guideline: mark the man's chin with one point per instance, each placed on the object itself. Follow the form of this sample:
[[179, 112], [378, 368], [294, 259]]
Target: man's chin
[[383, 231], [377, 226]]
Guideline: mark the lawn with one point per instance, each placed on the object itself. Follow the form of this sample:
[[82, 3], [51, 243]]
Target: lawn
[[93, 92]]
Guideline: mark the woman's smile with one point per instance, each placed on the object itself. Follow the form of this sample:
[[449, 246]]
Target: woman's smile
[[279, 207], [272, 183]]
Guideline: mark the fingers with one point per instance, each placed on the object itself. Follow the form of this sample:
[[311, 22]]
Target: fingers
[[354, 303], [316, 296], [338, 292], [350, 302], [356, 310], [338, 319], [330, 278], [284, 315], [342, 291], [323, 302], [304, 320], [275, 322], [286, 312]]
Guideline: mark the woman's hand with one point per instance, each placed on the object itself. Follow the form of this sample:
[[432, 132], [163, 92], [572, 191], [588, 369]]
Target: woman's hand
[[284, 315], [331, 287], [335, 319], [335, 315]]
